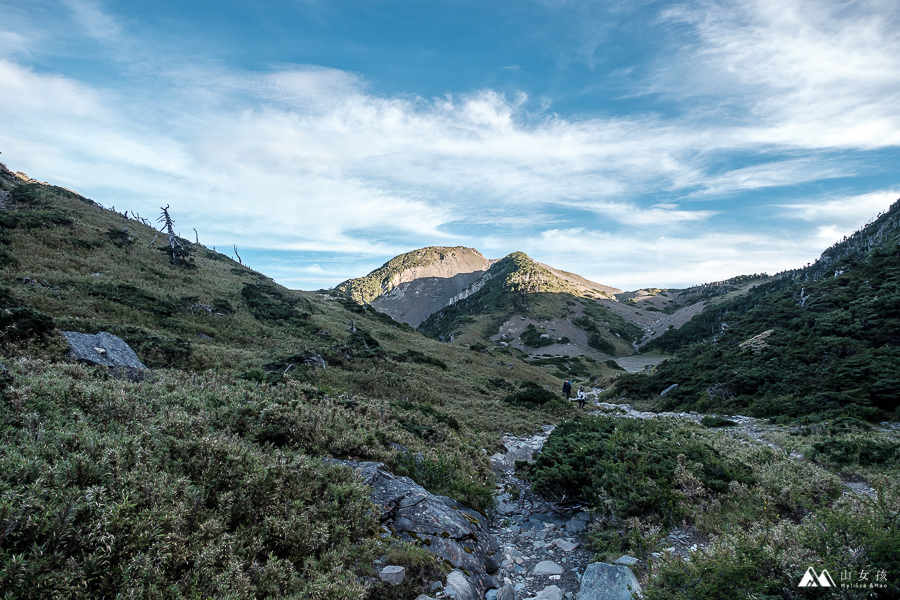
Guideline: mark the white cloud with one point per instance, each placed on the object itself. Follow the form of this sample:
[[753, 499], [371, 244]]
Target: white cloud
[[630, 262], [775, 174], [93, 19], [805, 73], [842, 216]]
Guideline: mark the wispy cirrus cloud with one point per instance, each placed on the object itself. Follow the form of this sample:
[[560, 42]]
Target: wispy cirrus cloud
[[96, 22], [803, 73]]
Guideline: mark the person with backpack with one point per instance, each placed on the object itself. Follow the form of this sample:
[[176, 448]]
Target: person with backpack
[[581, 396], [567, 389]]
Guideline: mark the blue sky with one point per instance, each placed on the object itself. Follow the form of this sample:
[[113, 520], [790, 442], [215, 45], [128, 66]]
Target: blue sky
[[636, 143]]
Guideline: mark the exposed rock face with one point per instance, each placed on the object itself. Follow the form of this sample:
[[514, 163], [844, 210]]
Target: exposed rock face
[[445, 527], [412, 301], [608, 582], [102, 349], [411, 286]]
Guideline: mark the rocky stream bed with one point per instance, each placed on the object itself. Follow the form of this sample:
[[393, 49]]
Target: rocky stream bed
[[531, 548]]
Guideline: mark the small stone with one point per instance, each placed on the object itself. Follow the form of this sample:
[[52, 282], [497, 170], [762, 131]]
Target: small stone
[[626, 560], [564, 545], [551, 592], [490, 595], [576, 525], [393, 574], [547, 567]]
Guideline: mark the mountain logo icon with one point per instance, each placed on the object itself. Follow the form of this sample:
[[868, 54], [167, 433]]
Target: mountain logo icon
[[810, 579]]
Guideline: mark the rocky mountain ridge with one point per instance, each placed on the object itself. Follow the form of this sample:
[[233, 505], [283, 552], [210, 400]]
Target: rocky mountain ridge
[[457, 295]]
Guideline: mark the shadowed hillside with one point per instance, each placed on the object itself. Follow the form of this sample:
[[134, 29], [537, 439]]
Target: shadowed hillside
[[824, 339], [204, 477]]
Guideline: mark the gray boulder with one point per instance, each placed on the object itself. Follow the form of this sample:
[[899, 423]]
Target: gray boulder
[[445, 527], [393, 574], [602, 581], [102, 349]]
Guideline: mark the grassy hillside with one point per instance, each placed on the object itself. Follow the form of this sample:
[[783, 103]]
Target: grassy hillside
[[205, 479], [824, 340]]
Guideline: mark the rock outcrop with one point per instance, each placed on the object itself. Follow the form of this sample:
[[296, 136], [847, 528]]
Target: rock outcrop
[[445, 527], [103, 349]]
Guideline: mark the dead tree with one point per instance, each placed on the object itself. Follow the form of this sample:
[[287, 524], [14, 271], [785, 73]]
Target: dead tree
[[178, 254], [240, 262]]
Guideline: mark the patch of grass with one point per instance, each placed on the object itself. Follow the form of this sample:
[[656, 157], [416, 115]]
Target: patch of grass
[[420, 358]]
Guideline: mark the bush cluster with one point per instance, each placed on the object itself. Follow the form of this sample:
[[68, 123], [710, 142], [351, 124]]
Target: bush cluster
[[629, 467]]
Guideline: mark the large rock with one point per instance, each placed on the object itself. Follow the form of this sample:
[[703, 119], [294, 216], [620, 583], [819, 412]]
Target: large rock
[[602, 581], [445, 527], [102, 349]]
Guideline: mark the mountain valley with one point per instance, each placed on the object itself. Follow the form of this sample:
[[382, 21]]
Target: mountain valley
[[403, 436]]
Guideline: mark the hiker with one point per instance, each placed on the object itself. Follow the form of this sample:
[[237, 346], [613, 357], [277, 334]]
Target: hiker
[[567, 389], [581, 397]]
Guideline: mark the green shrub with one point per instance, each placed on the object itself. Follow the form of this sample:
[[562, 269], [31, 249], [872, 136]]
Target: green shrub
[[420, 358], [716, 421], [598, 342], [18, 322], [631, 467], [120, 238], [28, 194], [532, 337], [532, 395], [863, 450], [267, 303], [34, 219], [440, 474]]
